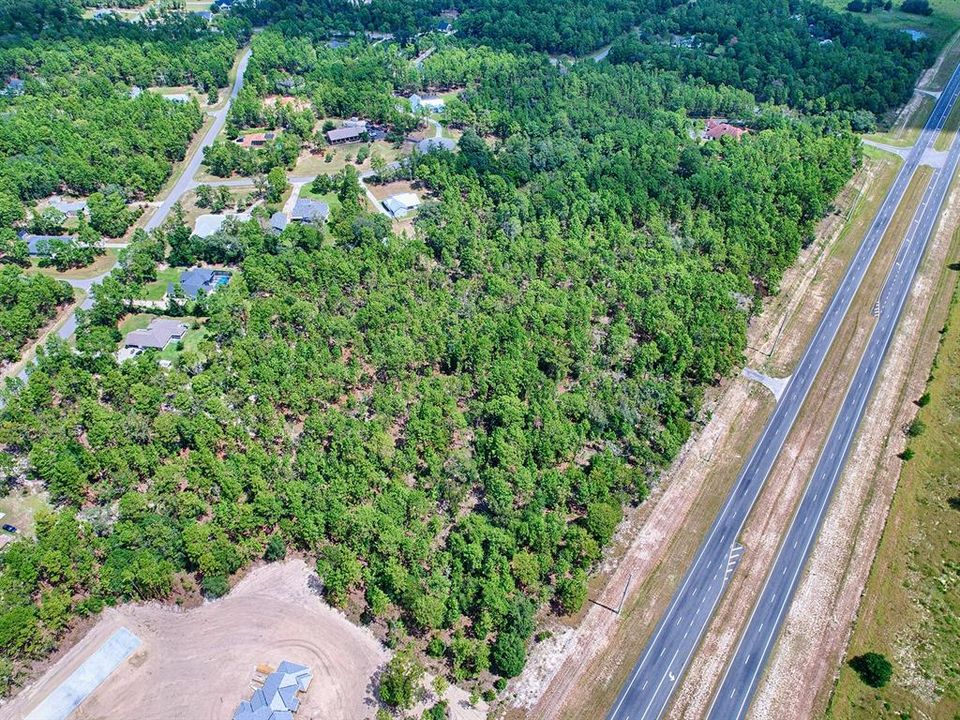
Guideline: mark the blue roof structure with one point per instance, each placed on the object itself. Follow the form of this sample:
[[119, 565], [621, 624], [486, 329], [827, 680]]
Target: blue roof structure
[[39, 244], [196, 279], [278, 221], [310, 211], [277, 699]]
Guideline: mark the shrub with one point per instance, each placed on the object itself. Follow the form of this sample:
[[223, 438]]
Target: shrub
[[276, 549], [873, 668], [917, 7], [509, 654], [215, 585], [400, 680], [916, 428]]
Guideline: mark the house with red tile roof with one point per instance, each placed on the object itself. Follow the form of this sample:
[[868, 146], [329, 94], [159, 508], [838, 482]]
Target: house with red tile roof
[[717, 129]]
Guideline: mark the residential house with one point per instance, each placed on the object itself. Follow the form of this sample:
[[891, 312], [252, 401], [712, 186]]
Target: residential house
[[205, 14], [179, 98], [209, 224], [401, 204], [277, 698], [288, 84], [345, 134], [70, 208], [13, 87], [278, 222], [717, 129], [197, 280], [255, 139], [309, 211], [157, 335], [430, 144], [39, 245], [427, 103]]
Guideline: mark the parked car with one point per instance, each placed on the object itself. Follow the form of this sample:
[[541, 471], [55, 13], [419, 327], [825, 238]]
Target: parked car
[[9, 528]]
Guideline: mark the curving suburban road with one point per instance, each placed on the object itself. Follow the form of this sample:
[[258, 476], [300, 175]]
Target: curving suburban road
[[650, 685], [184, 183]]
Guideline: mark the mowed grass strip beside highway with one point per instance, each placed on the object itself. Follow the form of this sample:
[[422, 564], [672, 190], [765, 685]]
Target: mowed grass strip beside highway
[[911, 606]]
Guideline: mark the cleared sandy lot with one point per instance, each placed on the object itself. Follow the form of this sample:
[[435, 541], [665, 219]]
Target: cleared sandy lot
[[199, 663]]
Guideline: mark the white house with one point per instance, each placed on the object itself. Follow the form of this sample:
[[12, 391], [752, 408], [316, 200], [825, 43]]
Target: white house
[[401, 204]]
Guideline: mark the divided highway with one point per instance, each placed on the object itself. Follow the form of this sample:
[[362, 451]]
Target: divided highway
[[745, 669], [651, 683]]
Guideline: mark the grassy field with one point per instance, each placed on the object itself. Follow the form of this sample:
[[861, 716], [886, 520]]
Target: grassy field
[[20, 507], [315, 164], [911, 607], [99, 266], [157, 289], [939, 26]]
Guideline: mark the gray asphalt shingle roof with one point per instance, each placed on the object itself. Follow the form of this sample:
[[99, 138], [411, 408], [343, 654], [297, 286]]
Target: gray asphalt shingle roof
[[307, 210], [277, 699], [157, 334]]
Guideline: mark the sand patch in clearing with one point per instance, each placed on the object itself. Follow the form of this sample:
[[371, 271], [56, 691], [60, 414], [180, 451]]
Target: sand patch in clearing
[[200, 663]]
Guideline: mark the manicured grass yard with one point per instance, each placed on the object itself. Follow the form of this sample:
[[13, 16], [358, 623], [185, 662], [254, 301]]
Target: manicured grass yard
[[19, 509], [137, 321], [329, 198], [157, 289], [191, 338]]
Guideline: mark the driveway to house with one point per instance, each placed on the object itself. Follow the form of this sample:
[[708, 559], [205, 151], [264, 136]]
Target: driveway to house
[[186, 181], [183, 184]]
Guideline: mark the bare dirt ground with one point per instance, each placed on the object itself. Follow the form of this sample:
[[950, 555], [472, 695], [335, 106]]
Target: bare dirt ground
[[580, 668], [813, 641], [200, 663]]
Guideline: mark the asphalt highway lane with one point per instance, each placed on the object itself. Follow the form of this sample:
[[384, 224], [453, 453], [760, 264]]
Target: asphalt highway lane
[[650, 685], [745, 669]]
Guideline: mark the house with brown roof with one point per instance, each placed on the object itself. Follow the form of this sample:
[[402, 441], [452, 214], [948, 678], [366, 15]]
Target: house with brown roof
[[717, 129], [255, 139]]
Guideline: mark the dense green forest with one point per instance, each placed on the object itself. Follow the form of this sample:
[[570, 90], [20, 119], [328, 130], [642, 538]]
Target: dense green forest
[[78, 128], [801, 54], [179, 50], [449, 421], [786, 51], [58, 140], [453, 421], [26, 304]]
